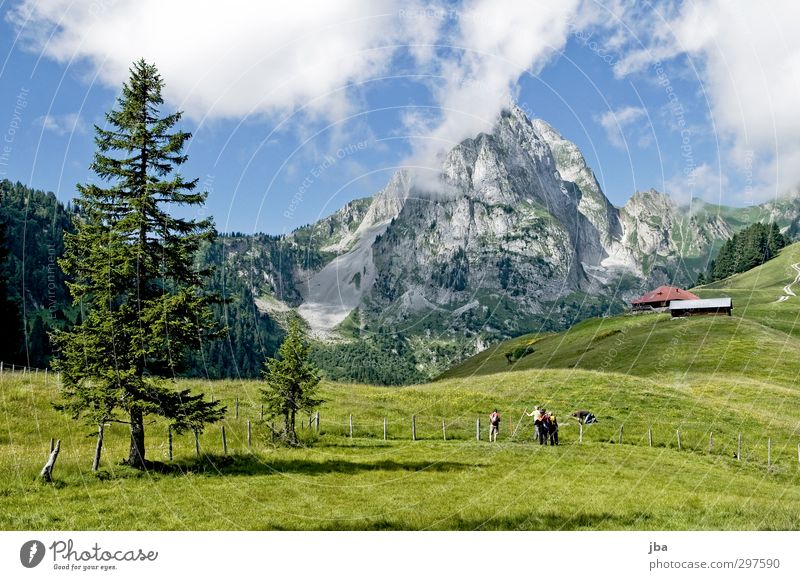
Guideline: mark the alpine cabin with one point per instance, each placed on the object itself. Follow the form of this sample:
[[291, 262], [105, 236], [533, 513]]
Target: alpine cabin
[[660, 298]]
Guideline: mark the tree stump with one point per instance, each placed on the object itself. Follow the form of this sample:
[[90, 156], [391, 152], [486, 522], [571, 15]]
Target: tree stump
[[47, 470]]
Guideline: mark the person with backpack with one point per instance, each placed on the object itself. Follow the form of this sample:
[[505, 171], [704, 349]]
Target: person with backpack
[[544, 428], [553, 429], [494, 425]]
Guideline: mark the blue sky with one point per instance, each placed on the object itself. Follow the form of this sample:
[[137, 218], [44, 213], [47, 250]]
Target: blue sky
[[647, 110]]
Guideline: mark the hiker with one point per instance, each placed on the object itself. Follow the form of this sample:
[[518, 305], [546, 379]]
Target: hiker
[[553, 429], [544, 429], [585, 417], [537, 414], [494, 425]]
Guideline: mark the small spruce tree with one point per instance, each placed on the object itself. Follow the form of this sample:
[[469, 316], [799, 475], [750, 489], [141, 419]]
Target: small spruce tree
[[291, 381]]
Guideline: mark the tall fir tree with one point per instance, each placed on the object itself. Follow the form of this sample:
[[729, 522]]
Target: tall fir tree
[[291, 381], [132, 271]]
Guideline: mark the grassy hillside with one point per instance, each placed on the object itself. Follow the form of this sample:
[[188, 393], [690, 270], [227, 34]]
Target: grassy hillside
[[756, 292], [368, 483], [760, 342]]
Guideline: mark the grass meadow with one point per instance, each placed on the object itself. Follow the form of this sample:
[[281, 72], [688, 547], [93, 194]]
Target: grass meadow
[[335, 482]]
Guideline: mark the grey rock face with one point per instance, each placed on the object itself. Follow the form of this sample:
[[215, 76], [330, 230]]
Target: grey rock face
[[517, 225]]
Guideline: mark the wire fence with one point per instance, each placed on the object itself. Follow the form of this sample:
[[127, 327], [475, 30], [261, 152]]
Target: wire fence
[[243, 434], [247, 425]]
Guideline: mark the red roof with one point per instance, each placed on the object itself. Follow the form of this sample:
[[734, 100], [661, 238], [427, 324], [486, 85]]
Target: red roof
[[665, 294]]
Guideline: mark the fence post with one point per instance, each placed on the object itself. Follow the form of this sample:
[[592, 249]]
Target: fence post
[[621, 429], [478, 429], [249, 434], [384, 428], [413, 427], [99, 448], [351, 426], [196, 443], [45, 376], [679, 439], [169, 439], [237, 407], [650, 436], [739, 448], [1, 366], [580, 432], [316, 421], [224, 442], [444, 430], [769, 451], [710, 441]]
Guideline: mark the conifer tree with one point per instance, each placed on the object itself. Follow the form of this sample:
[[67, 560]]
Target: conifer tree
[[777, 240], [291, 381], [132, 272]]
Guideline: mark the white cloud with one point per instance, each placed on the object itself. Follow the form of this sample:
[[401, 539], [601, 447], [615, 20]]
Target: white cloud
[[492, 45], [618, 122], [247, 58], [232, 59], [746, 55], [67, 123], [704, 182]]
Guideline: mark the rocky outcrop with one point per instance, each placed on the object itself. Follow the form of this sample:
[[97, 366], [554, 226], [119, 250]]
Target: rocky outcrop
[[516, 225]]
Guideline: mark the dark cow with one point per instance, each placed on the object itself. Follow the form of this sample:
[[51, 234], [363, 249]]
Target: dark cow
[[585, 417]]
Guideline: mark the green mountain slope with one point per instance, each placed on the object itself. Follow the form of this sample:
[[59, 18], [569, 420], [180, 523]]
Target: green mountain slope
[[757, 294], [759, 342]]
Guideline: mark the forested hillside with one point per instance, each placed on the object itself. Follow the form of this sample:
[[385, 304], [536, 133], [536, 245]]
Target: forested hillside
[[34, 222], [745, 250]]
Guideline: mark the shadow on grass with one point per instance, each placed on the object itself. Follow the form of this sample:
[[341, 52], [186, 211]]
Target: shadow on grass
[[523, 522], [253, 465]]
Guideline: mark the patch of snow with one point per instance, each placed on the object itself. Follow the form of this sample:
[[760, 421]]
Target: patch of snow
[[271, 305], [467, 306]]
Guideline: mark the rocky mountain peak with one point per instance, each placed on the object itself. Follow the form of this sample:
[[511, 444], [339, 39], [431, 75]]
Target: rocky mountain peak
[[516, 221]]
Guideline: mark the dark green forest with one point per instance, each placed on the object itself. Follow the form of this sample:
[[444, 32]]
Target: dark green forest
[[34, 223], [381, 359], [34, 297], [745, 250]]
